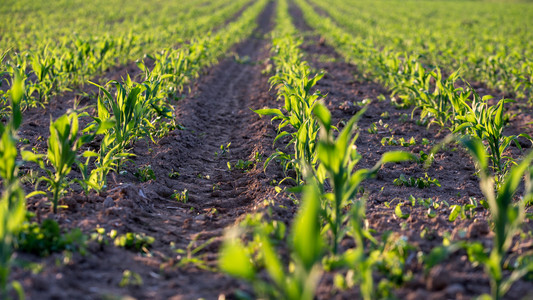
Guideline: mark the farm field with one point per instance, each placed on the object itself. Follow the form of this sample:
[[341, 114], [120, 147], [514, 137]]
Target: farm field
[[266, 149]]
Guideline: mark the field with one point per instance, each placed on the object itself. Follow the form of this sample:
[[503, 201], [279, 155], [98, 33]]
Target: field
[[266, 149]]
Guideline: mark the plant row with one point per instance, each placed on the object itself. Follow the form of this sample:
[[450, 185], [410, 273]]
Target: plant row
[[54, 64], [126, 112], [473, 122], [332, 208], [449, 102], [490, 44]]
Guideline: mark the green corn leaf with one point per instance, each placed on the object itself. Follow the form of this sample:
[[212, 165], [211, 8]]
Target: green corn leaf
[[456, 212], [269, 112], [399, 213], [17, 92], [397, 156], [272, 263], [280, 136], [12, 212], [89, 153], [476, 149], [8, 155], [510, 185], [323, 115], [105, 125], [36, 193], [306, 238], [498, 115], [235, 261]]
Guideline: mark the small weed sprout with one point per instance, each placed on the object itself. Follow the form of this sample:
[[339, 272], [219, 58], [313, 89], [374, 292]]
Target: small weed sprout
[[182, 196], [145, 173]]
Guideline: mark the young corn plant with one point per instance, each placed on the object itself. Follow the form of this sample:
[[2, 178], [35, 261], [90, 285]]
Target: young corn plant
[[507, 217], [338, 158], [12, 216], [8, 150], [160, 114], [12, 201], [486, 122], [128, 113], [17, 67], [445, 104], [63, 145], [299, 104], [16, 94], [43, 67], [4, 95], [299, 280], [294, 84], [105, 161]]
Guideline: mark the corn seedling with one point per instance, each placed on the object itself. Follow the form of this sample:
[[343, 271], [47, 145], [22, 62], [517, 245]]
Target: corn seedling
[[486, 123], [12, 214], [132, 240], [46, 238], [182, 196], [127, 112], [106, 160], [224, 150], [191, 255], [130, 278], [506, 216], [174, 174], [299, 280], [338, 159], [12, 201], [425, 158], [299, 104], [145, 174], [63, 144], [467, 211], [244, 165], [420, 182], [391, 141], [357, 258], [42, 67]]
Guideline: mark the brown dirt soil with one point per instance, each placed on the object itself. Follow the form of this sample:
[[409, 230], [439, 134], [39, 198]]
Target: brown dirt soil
[[455, 278], [217, 111]]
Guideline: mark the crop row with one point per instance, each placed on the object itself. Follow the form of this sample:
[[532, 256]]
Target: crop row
[[491, 44], [126, 111], [325, 163], [32, 26], [472, 121], [324, 167], [438, 98], [55, 63]]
